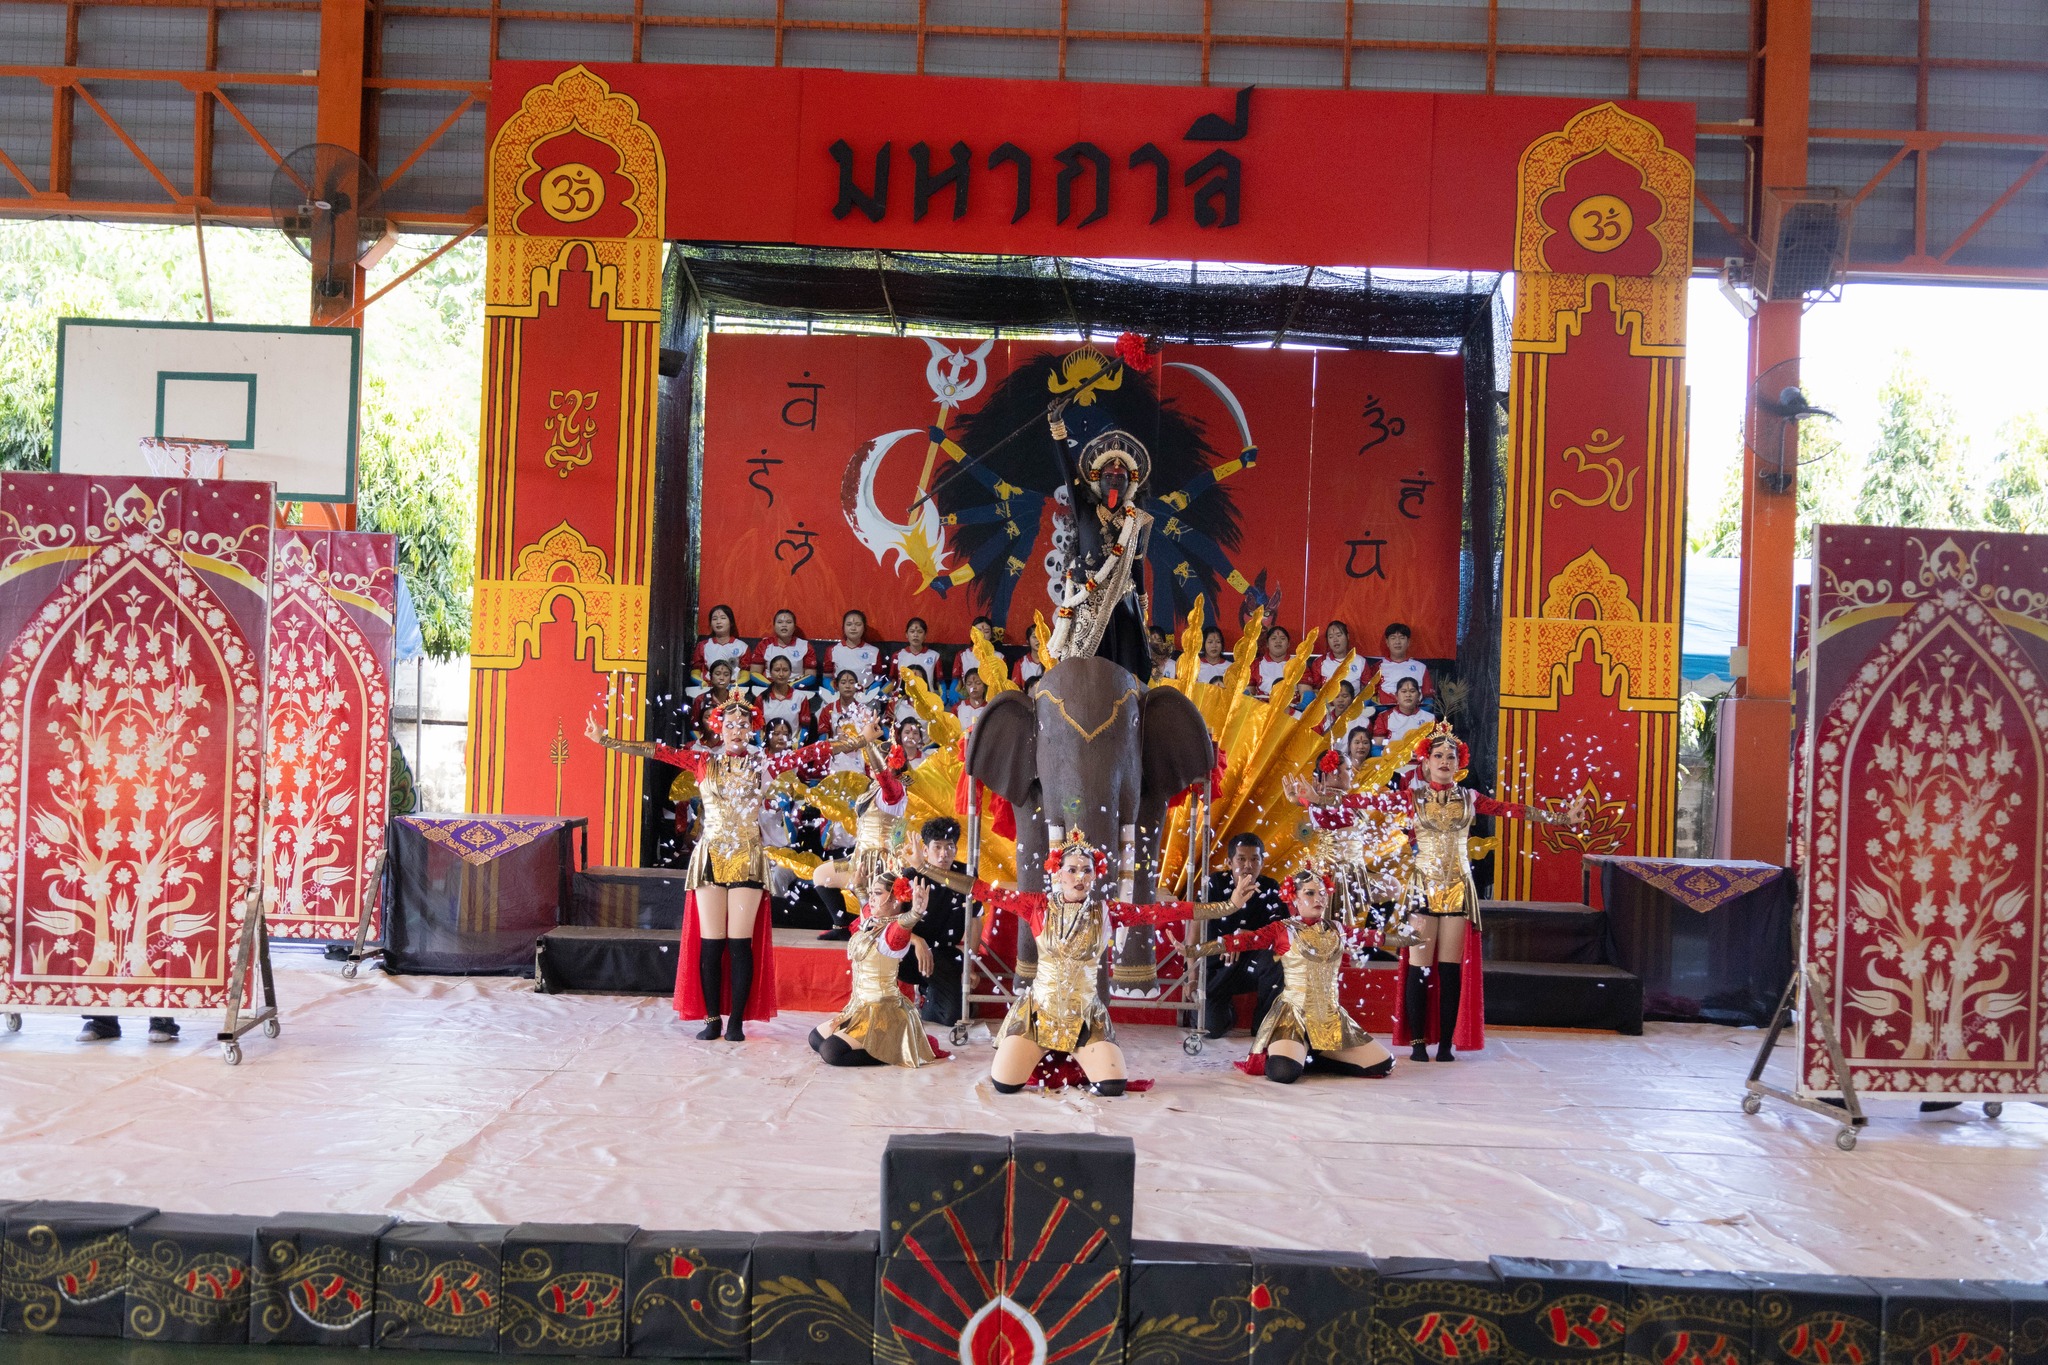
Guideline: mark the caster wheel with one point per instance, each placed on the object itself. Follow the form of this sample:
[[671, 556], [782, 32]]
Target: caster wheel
[[231, 1052], [959, 1035], [348, 970], [1846, 1139], [13, 1022], [1192, 1044], [270, 1028], [1992, 1108], [1752, 1104]]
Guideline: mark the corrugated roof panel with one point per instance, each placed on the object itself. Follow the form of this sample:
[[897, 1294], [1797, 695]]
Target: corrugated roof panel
[[1963, 181], [1156, 63], [2008, 30], [418, 47], [284, 115], [1526, 74], [716, 9], [440, 181], [716, 46], [158, 117], [25, 130], [993, 13], [1387, 69], [1136, 16], [1883, 229], [32, 34], [1863, 97], [122, 36], [854, 11], [1987, 101], [268, 40], [1877, 28], [1719, 89], [1423, 21], [1721, 24], [551, 40], [1244, 64], [850, 51], [1279, 18], [1602, 23], [1015, 58]]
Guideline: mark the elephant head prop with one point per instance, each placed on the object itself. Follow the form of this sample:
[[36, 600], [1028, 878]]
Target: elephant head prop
[[1092, 748]]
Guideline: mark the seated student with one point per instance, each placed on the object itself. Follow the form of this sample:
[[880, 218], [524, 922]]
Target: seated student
[[723, 642], [974, 701], [964, 662], [911, 738], [915, 653], [851, 651], [1251, 973], [1358, 745], [1336, 644], [845, 712], [1164, 663], [1397, 665], [1027, 670], [1391, 727], [715, 695], [1213, 663], [901, 706], [945, 921], [1340, 705], [1272, 664], [785, 643], [780, 701]]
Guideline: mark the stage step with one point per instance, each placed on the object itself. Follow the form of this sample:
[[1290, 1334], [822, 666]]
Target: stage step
[[612, 961], [1544, 931], [1564, 995]]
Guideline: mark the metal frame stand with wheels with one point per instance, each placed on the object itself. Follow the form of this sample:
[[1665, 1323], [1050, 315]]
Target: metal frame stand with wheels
[[1849, 1116], [358, 952], [252, 949]]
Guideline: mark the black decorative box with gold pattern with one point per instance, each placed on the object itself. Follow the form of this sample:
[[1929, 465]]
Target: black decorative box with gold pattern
[[1563, 1312], [1952, 1322], [1190, 1304], [1311, 1305], [686, 1295], [1817, 1320], [565, 1289], [2029, 1301], [438, 1287], [814, 1298], [1073, 1197], [316, 1279], [1689, 1317], [64, 1267], [1433, 1312], [190, 1278]]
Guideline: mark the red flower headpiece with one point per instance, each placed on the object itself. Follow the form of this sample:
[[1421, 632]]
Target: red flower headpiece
[[901, 891], [1441, 733], [897, 762], [1288, 887], [1136, 351], [1330, 763]]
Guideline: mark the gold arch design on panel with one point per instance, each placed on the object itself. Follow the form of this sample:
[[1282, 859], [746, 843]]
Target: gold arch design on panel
[[1638, 659], [522, 270], [610, 618]]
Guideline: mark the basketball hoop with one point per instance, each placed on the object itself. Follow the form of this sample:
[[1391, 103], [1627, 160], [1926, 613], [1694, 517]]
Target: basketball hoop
[[171, 458]]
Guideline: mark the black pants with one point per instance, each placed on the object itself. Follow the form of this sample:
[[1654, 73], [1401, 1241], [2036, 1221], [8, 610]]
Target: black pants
[[942, 992], [1255, 974]]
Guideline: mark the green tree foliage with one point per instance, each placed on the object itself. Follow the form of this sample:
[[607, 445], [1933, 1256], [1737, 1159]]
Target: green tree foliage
[[1829, 475], [1918, 473], [422, 370], [2018, 495]]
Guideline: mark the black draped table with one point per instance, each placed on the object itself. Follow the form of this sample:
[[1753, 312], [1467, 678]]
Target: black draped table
[[1711, 939], [471, 894]]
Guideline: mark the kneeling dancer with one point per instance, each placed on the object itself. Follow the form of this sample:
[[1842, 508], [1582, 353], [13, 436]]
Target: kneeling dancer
[[879, 1026], [1306, 1029], [1063, 1010]]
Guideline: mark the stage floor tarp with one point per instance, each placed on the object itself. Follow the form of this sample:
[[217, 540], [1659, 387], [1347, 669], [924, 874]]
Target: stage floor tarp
[[476, 1100]]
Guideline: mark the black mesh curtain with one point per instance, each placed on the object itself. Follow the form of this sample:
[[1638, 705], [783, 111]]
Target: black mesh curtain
[[1020, 295]]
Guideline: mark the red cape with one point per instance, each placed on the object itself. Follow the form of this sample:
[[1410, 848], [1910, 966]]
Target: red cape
[[1470, 1033], [690, 996]]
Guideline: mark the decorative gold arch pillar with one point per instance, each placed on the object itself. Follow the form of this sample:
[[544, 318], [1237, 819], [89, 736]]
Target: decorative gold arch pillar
[[566, 479], [1595, 504]]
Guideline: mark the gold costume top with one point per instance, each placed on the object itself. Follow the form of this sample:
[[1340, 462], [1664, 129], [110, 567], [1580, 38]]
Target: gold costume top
[[1311, 956], [878, 1016], [1440, 876], [1336, 845], [733, 788]]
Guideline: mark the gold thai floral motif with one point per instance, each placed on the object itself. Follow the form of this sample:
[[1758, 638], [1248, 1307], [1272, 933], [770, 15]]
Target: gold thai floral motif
[[44, 1276], [329, 1287], [164, 1285], [443, 1297], [572, 427], [1604, 830], [709, 1301], [568, 1312], [1638, 658]]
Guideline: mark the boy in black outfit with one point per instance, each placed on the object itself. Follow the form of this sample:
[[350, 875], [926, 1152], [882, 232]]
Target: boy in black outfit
[[1255, 972], [944, 924]]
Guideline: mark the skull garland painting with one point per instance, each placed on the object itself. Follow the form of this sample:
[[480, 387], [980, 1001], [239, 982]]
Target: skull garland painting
[[135, 613], [1926, 834]]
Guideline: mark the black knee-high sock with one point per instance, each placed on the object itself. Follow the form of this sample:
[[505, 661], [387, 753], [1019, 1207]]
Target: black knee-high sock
[[1336, 1067], [711, 978], [1004, 1087], [816, 1040], [838, 1052], [1414, 1003], [1448, 990], [739, 958], [1283, 1070], [1109, 1088]]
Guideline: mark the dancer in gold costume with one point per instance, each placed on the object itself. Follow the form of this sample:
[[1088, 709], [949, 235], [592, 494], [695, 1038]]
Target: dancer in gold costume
[[879, 1026], [1306, 1029]]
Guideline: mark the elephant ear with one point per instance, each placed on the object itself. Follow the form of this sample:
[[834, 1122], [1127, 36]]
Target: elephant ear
[[1002, 749], [1178, 750]]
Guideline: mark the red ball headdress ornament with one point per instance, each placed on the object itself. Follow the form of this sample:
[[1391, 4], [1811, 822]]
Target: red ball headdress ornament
[[1136, 351], [901, 891]]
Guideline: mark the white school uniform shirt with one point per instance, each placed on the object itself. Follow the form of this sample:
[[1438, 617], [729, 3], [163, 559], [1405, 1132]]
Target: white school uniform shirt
[[863, 661]]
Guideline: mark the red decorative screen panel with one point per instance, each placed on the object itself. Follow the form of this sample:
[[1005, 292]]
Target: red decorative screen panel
[[133, 614], [1927, 825], [328, 787]]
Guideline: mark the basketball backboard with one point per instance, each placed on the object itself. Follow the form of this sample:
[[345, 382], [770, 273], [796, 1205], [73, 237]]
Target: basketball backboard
[[281, 401]]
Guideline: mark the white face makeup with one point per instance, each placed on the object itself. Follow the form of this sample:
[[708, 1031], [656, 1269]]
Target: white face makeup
[[1074, 876]]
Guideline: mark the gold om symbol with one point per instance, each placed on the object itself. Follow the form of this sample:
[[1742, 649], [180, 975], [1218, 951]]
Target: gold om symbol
[[571, 425], [571, 192], [1601, 222], [1619, 490]]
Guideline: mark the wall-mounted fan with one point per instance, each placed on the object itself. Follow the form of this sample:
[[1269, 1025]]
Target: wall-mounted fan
[[1780, 406], [329, 202]]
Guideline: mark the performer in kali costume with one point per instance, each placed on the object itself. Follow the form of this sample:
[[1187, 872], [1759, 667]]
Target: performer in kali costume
[[1063, 1010], [878, 1025], [728, 960], [1100, 600], [1306, 1029], [878, 812], [1443, 901]]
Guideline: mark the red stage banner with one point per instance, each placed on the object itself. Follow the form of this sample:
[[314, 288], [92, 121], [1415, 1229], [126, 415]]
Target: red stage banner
[[135, 613], [1056, 168], [1926, 832], [815, 449], [327, 787]]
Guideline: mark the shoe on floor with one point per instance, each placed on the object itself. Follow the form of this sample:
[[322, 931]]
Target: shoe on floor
[[836, 936], [163, 1030], [100, 1031]]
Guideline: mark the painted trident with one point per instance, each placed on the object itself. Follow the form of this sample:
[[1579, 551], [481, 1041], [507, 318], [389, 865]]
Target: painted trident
[[955, 376]]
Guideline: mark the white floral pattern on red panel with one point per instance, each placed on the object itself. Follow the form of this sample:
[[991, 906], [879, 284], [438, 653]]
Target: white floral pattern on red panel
[[1928, 844], [130, 710], [327, 789]]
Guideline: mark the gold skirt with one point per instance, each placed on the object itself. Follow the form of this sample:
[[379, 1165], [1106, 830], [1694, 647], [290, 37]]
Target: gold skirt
[[1333, 1031], [889, 1030], [725, 865], [1056, 1032]]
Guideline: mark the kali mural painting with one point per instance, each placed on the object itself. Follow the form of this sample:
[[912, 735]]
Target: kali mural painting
[[1926, 831], [131, 700]]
